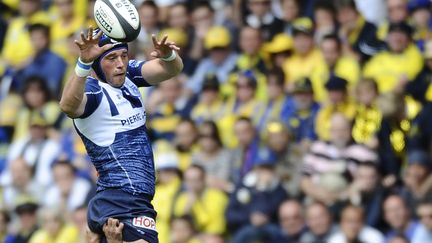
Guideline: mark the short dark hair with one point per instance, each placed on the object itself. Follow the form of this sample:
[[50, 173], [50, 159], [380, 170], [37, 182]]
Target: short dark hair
[[202, 4], [39, 82], [214, 131], [39, 26], [333, 37], [278, 74], [325, 5], [66, 163]]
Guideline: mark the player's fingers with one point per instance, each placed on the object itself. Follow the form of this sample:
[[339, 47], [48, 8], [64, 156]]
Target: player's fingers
[[78, 43], [121, 226], [83, 38], [162, 42], [155, 43], [98, 35], [174, 47], [154, 54], [107, 47]]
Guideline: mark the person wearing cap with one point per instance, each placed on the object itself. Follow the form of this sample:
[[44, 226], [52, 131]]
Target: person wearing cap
[[37, 149], [108, 113], [306, 56], [220, 62], [277, 99], [26, 210], [252, 208], [417, 179], [338, 101], [335, 63], [300, 113], [168, 186], [279, 49], [357, 34], [420, 88], [399, 64], [210, 105]]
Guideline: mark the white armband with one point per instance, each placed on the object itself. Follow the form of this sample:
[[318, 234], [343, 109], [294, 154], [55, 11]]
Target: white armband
[[171, 57], [82, 69]]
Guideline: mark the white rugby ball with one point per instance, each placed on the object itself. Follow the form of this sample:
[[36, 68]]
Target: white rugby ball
[[118, 19]]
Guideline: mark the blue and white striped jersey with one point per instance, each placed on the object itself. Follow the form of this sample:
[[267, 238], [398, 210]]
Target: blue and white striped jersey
[[114, 134]]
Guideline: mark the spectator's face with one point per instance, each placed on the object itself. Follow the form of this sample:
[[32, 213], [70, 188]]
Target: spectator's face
[[20, 172], [171, 90], [398, 239], [397, 10], [165, 176], [218, 55], [185, 135], [34, 96], [424, 211], [79, 218], [206, 140], [181, 231], [39, 39], [194, 180], [244, 90], [178, 17], [259, 7], [340, 131], [250, 41], [366, 94], [330, 51], [291, 218], [336, 96], [351, 223], [303, 44], [395, 213], [244, 132], [398, 41], [274, 88], [347, 17], [65, 8], [37, 133], [324, 20], [290, 10], [303, 100], [209, 96], [202, 17], [51, 223], [366, 178], [28, 7], [318, 219], [114, 66], [417, 173], [28, 221], [64, 178], [421, 17], [148, 16], [278, 141]]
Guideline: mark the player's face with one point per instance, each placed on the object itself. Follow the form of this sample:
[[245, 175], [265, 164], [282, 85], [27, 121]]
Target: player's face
[[114, 66]]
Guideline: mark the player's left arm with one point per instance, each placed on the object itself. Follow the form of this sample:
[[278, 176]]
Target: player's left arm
[[167, 62]]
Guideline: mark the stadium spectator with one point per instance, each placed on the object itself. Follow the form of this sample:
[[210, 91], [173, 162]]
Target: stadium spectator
[[185, 142], [209, 106], [54, 228], [420, 87], [397, 11], [306, 56], [252, 209], [324, 19], [319, 223], [149, 18], [421, 21], [213, 157], [26, 211], [279, 49], [301, 112], [397, 216], [328, 167], [183, 230], [401, 63], [335, 64], [44, 63], [261, 17], [338, 101], [286, 154], [205, 205], [423, 232], [291, 222], [68, 191], [353, 229], [38, 151], [417, 179]]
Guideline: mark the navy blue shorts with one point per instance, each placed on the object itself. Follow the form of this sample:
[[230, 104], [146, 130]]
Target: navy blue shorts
[[135, 211]]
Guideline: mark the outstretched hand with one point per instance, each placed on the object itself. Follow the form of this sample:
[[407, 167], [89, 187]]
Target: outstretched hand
[[163, 48], [88, 45]]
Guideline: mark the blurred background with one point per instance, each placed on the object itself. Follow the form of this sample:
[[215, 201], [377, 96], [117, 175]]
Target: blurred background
[[292, 121]]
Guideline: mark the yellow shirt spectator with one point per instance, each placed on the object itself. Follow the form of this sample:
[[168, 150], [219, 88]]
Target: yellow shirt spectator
[[207, 211], [17, 47], [366, 123], [297, 67], [389, 68], [67, 234], [345, 67]]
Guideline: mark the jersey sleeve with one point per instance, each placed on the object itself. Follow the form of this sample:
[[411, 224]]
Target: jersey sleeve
[[94, 96], [135, 75]]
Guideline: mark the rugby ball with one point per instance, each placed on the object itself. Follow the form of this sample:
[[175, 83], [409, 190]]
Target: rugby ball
[[118, 19]]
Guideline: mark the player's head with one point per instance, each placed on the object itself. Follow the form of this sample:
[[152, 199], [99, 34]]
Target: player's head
[[110, 67]]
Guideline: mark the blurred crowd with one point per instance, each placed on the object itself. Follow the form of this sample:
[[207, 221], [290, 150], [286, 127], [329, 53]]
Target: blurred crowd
[[292, 121]]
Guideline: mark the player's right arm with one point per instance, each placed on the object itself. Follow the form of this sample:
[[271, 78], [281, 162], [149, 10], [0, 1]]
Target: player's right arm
[[73, 100]]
